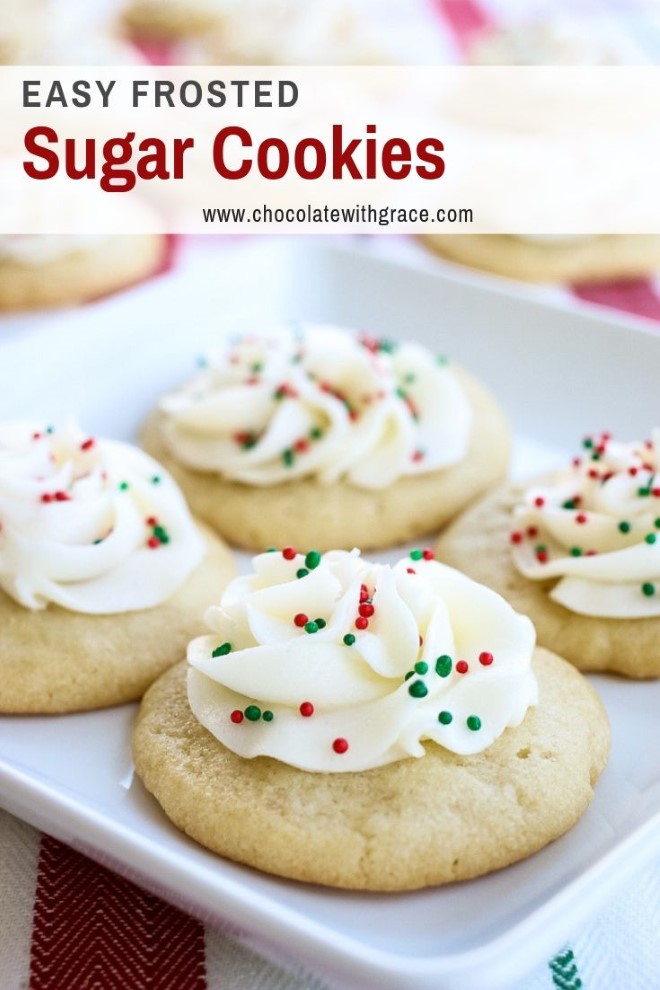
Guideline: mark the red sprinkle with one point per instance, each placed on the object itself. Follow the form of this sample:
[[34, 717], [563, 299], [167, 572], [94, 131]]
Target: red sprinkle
[[153, 542], [366, 610], [532, 531], [152, 521], [486, 658], [300, 620], [288, 553], [542, 556], [62, 497], [632, 471], [410, 570], [306, 709], [340, 745], [655, 492], [236, 716], [428, 554], [46, 497], [462, 667], [581, 518], [539, 501], [361, 622], [87, 444], [301, 446], [516, 537], [36, 436]]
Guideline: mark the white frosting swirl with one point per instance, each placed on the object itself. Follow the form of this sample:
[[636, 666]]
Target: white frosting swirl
[[319, 402], [393, 656], [91, 525], [596, 526]]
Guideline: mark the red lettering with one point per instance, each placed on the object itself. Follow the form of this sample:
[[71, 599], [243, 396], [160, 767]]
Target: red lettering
[[425, 153], [321, 158], [396, 150], [343, 157], [282, 154], [47, 154]]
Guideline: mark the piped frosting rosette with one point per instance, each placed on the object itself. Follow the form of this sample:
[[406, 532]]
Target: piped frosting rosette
[[318, 402], [596, 528], [94, 526], [331, 663]]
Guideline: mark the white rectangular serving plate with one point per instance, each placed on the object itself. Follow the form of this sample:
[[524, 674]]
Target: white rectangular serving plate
[[559, 371]]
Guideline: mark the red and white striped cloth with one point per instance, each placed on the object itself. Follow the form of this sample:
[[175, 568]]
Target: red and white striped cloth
[[69, 924]]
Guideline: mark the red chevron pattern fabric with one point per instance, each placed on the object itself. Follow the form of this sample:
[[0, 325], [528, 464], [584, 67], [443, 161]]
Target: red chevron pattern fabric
[[93, 930]]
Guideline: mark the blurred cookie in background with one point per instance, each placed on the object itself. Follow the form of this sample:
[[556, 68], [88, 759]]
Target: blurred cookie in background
[[260, 32]]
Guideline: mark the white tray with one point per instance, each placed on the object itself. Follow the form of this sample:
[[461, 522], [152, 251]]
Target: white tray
[[559, 372]]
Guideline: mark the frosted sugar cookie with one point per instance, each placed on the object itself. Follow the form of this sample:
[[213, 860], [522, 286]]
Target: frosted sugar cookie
[[552, 259], [103, 572], [372, 727], [42, 270], [317, 438], [579, 552], [587, 41]]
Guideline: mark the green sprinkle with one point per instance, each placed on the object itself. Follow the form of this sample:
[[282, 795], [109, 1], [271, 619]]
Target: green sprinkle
[[100, 540], [253, 713], [388, 346], [418, 689], [540, 548], [411, 673], [349, 639], [288, 457], [156, 479], [402, 394], [643, 492], [443, 666], [474, 723], [624, 527], [302, 572], [576, 551], [657, 523], [316, 433], [311, 627], [123, 486], [442, 359], [595, 457], [648, 589], [222, 651], [445, 718], [312, 559], [568, 504], [271, 550], [256, 367], [650, 538], [162, 534], [50, 429], [409, 378], [421, 667], [267, 716], [320, 623], [416, 554], [588, 443]]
